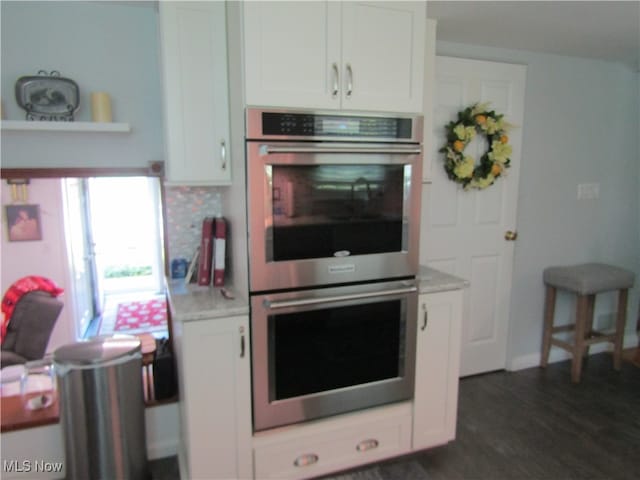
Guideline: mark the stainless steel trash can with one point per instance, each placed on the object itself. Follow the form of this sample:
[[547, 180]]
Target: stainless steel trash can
[[102, 408]]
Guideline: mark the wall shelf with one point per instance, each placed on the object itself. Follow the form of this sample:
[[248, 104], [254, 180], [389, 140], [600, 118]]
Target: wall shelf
[[43, 126]]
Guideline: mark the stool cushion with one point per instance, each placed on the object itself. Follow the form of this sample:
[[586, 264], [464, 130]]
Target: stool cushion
[[588, 278]]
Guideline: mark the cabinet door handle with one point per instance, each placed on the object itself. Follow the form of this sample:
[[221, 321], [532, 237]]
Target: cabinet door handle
[[367, 444], [349, 80], [242, 347], [336, 80], [306, 460], [425, 318], [223, 154]]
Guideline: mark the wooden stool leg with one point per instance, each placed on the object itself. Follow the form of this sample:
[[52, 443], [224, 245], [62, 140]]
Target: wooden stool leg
[[620, 321], [549, 309], [578, 346], [591, 301]]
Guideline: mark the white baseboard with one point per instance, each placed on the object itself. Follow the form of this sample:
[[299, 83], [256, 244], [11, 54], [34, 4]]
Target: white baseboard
[[182, 463], [162, 449], [558, 355]]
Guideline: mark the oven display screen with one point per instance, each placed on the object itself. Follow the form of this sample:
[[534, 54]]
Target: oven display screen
[[339, 126], [320, 125]]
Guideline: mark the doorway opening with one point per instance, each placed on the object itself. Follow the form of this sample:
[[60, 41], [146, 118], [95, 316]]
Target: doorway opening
[[113, 228]]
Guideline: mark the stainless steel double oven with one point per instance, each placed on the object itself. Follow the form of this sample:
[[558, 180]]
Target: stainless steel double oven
[[334, 209]]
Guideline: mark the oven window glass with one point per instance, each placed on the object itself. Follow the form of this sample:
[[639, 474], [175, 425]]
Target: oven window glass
[[325, 349], [322, 211]]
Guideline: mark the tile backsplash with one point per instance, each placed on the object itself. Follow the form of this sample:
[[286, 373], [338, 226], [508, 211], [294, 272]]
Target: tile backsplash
[[186, 207]]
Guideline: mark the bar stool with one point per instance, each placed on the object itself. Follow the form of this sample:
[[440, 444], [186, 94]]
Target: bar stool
[[585, 281]]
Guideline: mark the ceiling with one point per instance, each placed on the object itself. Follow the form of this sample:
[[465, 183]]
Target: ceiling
[[592, 29]]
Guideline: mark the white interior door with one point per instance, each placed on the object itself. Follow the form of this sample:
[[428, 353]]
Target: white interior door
[[79, 253], [464, 231]]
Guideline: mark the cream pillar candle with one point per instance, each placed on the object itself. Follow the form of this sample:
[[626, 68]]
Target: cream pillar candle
[[100, 107]]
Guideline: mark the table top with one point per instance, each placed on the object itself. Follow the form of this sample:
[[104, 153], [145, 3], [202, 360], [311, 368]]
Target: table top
[[16, 417]]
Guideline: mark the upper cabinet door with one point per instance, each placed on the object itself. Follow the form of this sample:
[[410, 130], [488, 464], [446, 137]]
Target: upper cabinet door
[[194, 66], [383, 45], [292, 54]]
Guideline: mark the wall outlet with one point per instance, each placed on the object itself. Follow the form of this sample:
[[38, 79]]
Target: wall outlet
[[588, 191]]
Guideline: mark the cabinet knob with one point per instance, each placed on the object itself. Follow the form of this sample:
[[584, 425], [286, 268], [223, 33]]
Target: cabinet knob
[[336, 80], [349, 80], [510, 236]]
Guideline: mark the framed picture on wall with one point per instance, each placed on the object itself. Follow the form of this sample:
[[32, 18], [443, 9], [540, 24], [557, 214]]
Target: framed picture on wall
[[23, 223]]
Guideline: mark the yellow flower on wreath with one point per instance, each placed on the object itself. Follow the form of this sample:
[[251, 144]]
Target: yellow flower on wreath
[[464, 169], [481, 183], [500, 152], [479, 108], [465, 134], [491, 126]]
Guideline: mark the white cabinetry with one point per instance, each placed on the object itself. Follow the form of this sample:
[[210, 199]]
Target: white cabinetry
[[196, 104], [338, 443], [335, 55], [213, 359], [435, 400], [429, 148]]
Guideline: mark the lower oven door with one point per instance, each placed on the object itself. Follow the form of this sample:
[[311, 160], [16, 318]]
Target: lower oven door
[[327, 351]]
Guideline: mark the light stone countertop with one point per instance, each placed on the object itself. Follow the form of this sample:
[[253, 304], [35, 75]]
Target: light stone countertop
[[193, 302], [431, 280]]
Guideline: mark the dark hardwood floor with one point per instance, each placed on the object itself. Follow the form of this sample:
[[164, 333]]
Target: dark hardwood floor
[[536, 424], [531, 424]]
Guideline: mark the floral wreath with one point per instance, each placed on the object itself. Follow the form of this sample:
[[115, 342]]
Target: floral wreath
[[461, 168]]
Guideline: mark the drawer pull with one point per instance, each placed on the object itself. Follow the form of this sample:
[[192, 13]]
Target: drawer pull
[[306, 460], [368, 444], [426, 317], [223, 154]]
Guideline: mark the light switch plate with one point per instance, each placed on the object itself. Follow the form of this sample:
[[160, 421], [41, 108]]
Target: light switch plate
[[588, 191]]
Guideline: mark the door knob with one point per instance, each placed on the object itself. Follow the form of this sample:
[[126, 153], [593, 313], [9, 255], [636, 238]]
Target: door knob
[[510, 236]]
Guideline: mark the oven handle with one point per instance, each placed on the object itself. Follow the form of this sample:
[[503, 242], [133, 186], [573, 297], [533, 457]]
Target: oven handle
[[270, 149], [338, 298]]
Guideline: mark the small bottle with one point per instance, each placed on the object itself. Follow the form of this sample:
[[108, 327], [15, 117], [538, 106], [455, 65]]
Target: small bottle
[[179, 267]]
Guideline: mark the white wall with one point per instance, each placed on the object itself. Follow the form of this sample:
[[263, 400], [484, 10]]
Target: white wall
[[103, 46], [581, 126], [46, 258]]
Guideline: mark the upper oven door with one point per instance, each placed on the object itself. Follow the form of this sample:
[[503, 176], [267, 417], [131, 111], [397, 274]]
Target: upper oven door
[[325, 213]]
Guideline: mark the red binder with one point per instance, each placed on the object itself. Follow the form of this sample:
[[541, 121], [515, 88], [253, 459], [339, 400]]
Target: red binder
[[206, 250], [219, 247]]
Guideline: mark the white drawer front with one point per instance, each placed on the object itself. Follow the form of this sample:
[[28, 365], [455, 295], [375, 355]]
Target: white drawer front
[[337, 449]]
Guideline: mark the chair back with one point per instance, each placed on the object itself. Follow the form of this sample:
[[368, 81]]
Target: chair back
[[31, 325]]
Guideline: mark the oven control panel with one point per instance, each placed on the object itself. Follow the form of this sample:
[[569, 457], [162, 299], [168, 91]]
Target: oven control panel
[[327, 125]]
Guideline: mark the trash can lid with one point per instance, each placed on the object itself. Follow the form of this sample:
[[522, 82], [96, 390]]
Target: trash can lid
[[98, 351]]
